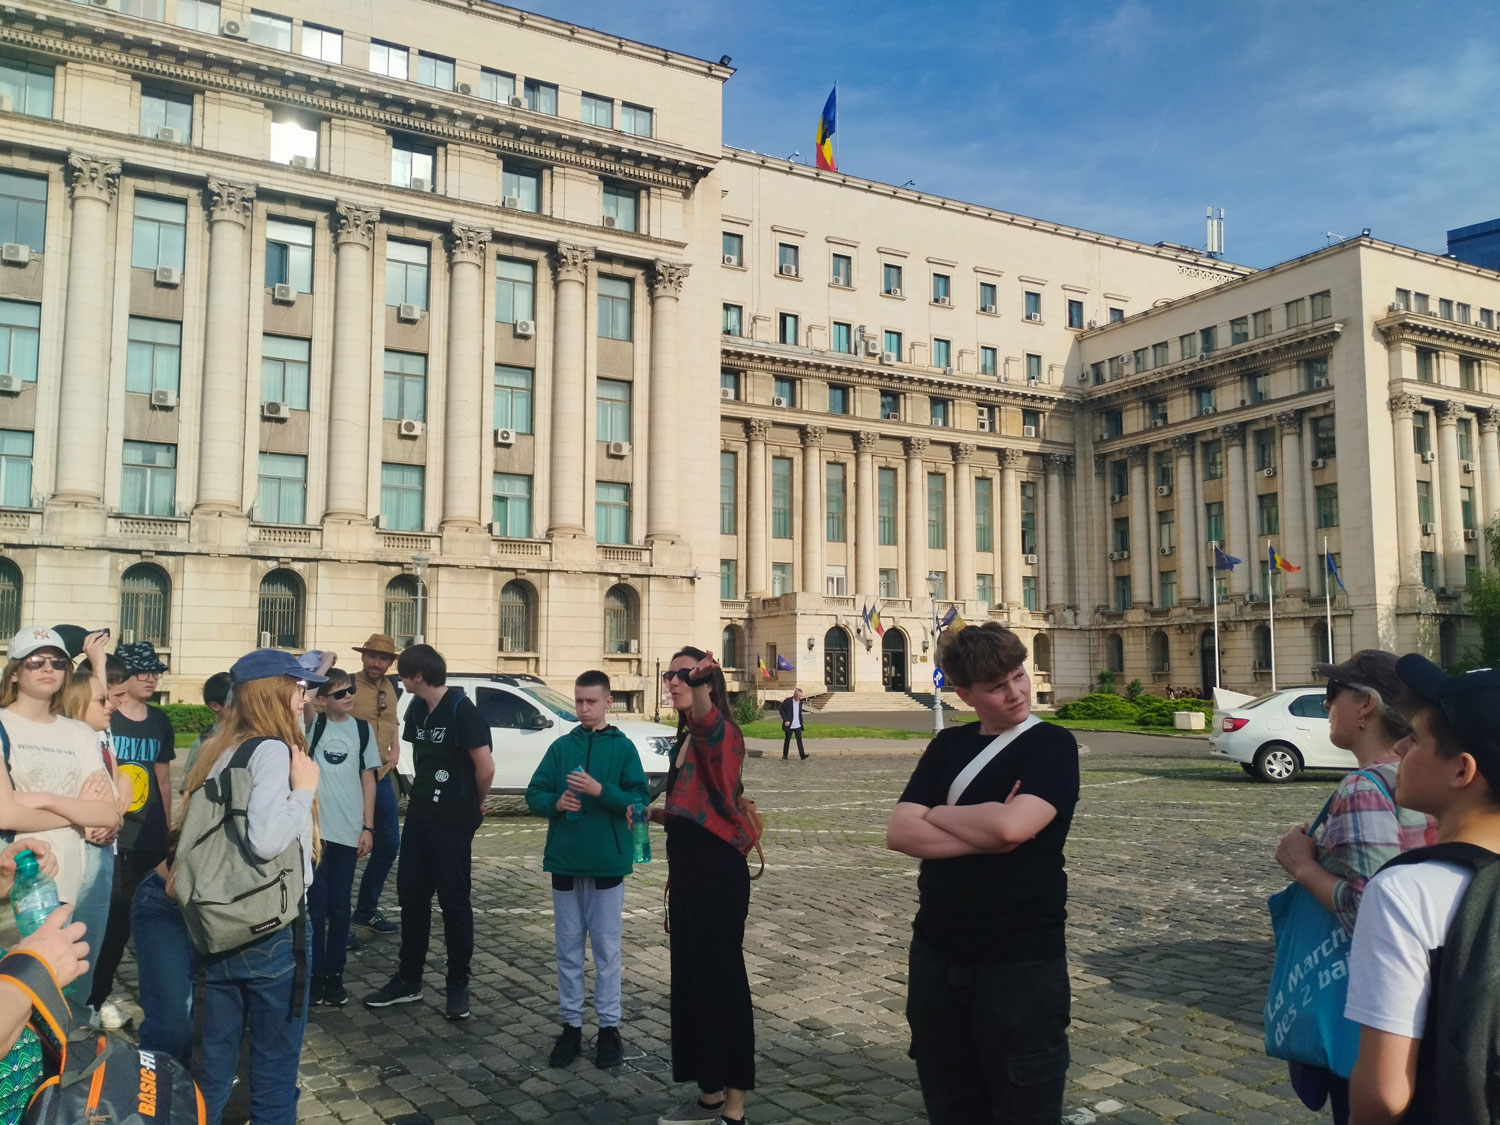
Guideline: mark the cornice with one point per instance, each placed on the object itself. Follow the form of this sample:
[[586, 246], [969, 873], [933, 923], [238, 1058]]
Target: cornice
[[1407, 326], [865, 433]]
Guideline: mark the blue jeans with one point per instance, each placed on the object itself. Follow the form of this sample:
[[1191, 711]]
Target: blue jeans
[[383, 852], [328, 909], [250, 990], [92, 909], [166, 967]]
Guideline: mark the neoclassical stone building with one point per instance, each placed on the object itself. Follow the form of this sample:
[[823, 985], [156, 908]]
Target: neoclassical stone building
[[317, 321]]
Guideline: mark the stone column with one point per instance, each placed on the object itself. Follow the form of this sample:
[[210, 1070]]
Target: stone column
[[1237, 530], [866, 573], [221, 452], [963, 521], [813, 530], [1101, 573], [1452, 510], [349, 396], [1010, 528], [757, 529], [468, 251], [1293, 546], [93, 183], [1489, 464], [1141, 592], [570, 265], [916, 521], [1189, 538], [1408, 533], [662, 449], [1057, 466]]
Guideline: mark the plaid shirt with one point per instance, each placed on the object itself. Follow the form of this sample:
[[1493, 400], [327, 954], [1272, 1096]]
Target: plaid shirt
[[1364, 829]]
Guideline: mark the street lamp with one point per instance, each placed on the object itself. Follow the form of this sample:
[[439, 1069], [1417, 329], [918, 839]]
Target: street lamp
[[420, 561]]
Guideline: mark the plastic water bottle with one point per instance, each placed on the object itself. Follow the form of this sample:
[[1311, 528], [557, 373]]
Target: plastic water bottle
[[640, 832], [34, 896]]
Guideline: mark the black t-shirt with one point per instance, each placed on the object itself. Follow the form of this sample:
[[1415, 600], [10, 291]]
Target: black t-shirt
[[985, 909], [138, 747], [443, 772]]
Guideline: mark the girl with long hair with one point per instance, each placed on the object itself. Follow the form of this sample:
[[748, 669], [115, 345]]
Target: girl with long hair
[[252, 989], [708, 896]]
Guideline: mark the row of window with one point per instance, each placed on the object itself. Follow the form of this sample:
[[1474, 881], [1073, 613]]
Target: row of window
[[1268, 519], [1159, 650], [144, 594], [1468, 369], [1255, 388], [1166, 583], [836, 584], [1459, 311], [1211, 456]]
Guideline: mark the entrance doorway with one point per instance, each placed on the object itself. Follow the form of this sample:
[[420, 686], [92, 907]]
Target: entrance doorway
[[893, 660], [836, 659], [1206, 662]]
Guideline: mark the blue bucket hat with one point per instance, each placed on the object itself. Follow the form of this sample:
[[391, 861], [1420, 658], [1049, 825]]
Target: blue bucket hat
[[264, 663], [140, 656]]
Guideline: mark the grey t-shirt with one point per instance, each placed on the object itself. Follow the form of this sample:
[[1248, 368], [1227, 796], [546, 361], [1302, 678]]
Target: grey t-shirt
[[341, 796]]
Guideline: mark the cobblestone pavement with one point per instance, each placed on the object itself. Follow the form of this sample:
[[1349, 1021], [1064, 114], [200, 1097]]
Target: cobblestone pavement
[[1170, 864]]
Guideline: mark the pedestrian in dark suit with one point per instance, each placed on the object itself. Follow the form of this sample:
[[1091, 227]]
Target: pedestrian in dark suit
[[791, 724]]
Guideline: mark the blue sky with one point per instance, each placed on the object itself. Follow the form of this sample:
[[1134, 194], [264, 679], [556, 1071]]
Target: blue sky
[[1297, 117]]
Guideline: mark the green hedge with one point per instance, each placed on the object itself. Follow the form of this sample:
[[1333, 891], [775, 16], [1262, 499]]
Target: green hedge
[[189, 718], [1099, 705], [1156, 711]]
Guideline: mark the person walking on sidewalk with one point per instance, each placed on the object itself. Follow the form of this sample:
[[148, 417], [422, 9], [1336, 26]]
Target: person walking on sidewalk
[[792, 724], [375, 703]]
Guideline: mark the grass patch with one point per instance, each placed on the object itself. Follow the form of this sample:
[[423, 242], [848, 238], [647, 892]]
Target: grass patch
[[1128, 726], [767, 728]]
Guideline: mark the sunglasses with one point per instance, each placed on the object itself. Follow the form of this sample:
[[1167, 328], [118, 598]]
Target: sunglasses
[[1334, 687], [342, 693], [678, 674], [56, 663]]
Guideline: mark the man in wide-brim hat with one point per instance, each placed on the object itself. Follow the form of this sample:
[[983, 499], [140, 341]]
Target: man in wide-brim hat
[[375, 703]]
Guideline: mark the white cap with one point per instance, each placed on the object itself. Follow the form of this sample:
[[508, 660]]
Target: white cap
[[35, 637]]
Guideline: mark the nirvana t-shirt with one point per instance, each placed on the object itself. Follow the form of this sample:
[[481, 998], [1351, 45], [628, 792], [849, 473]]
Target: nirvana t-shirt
[[443, 780], [987, 909], [341, 766], [139, 746]]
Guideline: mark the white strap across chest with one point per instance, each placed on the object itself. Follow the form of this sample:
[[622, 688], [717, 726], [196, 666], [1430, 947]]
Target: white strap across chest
[[986, 756]]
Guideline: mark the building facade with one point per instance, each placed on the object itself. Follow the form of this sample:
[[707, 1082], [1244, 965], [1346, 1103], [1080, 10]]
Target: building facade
[[435, 318]]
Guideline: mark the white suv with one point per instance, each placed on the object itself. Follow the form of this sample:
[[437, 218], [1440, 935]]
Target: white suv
[[525, 717]]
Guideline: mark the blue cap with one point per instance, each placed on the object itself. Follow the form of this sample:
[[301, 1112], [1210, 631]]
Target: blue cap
[[264, 663], [1470, 701]]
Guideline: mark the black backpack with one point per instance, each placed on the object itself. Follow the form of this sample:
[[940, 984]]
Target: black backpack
[[320, 724]]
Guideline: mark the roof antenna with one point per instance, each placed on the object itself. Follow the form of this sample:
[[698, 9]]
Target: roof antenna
[[1215, 243]]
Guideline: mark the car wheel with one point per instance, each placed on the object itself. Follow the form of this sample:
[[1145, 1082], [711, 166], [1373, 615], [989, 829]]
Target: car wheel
[[1277, 762], [1248, 768]]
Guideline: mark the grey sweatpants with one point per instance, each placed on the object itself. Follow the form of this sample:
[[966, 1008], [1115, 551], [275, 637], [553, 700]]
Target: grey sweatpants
[[587, 914]]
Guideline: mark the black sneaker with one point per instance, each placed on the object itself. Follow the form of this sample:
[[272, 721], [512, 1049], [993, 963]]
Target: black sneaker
[[375, 921], [395, 991], [335, 995], [458, 1002], [608, 1050], [351, 943], [316, 991], [566, 1049]]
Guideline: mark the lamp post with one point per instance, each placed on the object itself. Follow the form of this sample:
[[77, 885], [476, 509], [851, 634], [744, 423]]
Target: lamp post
[[937, 673], [420, 561]]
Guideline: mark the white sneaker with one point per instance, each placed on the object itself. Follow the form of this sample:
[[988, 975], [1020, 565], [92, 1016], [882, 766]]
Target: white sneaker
[[107, 1017]]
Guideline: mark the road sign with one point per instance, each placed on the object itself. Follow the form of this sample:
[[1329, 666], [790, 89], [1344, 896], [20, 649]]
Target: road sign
[[937, 678]]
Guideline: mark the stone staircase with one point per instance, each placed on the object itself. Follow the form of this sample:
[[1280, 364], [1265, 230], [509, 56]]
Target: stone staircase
[[850, 702]]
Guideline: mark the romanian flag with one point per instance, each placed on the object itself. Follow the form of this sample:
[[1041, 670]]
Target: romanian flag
[[875, 622], [1279, 563], [760, 662], [827, 124]]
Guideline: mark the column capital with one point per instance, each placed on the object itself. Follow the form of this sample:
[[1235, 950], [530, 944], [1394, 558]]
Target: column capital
[[963, 452], [1448, 413], [352, 223], [230, 203], [1184, 444], [1489, 420], [812, 436], [1233, 432], [1403, 405], [866, 440], [571, 263], [916, 446], [93, 177], [1058, 463], [666, 278], [1290, 420], [1010, 458], [467, 244], [758, 429], [1136, 455]]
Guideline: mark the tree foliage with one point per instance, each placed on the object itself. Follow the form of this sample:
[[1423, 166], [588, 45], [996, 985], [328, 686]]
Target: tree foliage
[[1483, 601]]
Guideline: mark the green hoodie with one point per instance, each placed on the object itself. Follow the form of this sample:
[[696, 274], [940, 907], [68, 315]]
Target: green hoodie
[[597, 845]]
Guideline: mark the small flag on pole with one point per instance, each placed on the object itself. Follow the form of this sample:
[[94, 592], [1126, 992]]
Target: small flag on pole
[[760, 662], [1279, 563], [1333, 570], [827, 125], [1224, 560], [875, 622], [783, 664], [949, 618]]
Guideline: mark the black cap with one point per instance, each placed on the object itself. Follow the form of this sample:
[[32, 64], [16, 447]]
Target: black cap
[[1470, 701], [72, 636], [1367, 668]]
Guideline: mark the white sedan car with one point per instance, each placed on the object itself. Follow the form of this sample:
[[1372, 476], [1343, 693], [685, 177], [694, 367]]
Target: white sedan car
[[1277, 736]]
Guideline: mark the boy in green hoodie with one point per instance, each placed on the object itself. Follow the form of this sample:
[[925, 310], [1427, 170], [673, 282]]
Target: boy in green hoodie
[[586, 785]]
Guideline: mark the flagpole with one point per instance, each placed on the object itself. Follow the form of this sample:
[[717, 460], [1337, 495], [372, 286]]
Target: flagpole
[[1328, 599], [838, 147], [1271, 607], [1213, 587]]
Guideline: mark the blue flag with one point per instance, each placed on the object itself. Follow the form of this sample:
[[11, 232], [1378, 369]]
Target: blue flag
[[1224, 561], [1334, 570], [783, 664], [949, 617], [865, 613]]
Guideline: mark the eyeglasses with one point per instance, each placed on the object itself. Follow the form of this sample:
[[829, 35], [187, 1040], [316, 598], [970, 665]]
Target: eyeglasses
[[38, 662], [343, 693], [148, 675], [676, 674]]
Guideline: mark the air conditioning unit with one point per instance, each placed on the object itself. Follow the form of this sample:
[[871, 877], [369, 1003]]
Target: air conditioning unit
[[15, 253], [168, 275], [517, 103], [511, 202], [507, 644], [1268, 471], [265, 638], [727, 394], [610, 221], [892, 417], [409, 427], [779, 401], [1028, 431], [1429, 529], [169, 134], [1467, 466], [633, 646], [731, 260], [1164, 551], [1319, 462], [1029, 560], [166, 400], [408, 313], [1164, 490], [1158, 423], [1035, 318], [888, 358], [525, 329], [843, 283], [983, 423], [1093, 324], [872, 347], [1397, 307], [1470, 534], [1115, 497], [894, 292], [1203, 357], [505, 436], [788, 270], [420, 183], [465, 88], [284, 294], [1124, 556], [1083, 376], [947, 371], [1429, 457], [1207, 410], [989, 308], [273, 410], [11, 384], [232, 29], [945, 301], [939, 422], [307, 163], [619, 448]]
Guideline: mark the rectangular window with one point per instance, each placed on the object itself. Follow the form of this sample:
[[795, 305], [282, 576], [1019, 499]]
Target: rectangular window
[[271, 30], [20, 338], [1257, 387], [1268, 513], [289, 256], [734, 320], [1163, 461], [788, 259], [159, 236], [1324, 443], [1261, 323], [15, 468], [1122, 592], [1328, 505], [1032, 302], [406, 273], [1403, 298], [1445, 308], [1322, 304], [785, 389], [834, 501], [893, 345], [598, 111], [611, 512], [615, 307], [888, 583], [510, 496], [1239, 330], [1167, 589], [282, 495], [989, 361], [1116, 315], [937, 584], [515, 291], [1187, 346], [1465, 439], [890, 405], [937, 510], [733, 248], [989, 298], [1420, 432], [941, 291], [1028, 517], [1208, 340], [838, 399], [1075, 313], [781, 497], [1116, 366], [727, 579], [541, 97], [637, 120], [984, 514], [161, 111], [1468, 374], [322, 43], [942, 353], [1325, 579], [984, 589], [198, 15], [1138, 358], [405, 387], [885, 507], [1114, 423], [1213, 521], [285, 364], [153, 357], [388, 59], [843, 270], [1429, 569], [28, 86], [23, 209], [891, 280], [1419, 303], [1119, 475], [730, 381], [843, 338], [1213, 459], [1028, 593], [513, 398], [787, 329], [613, 413], [496, 85], [622, 204], [1487, 318], [1462, 313], [781, 578], [412, 165], [148, 483], [1265, 449], [1426, 365], [1166, 529], [728, 490], [401, 488], [1033, 369], [521, 188], [1294, 313], [1465, 503], [1122, 534], [1424, 501]]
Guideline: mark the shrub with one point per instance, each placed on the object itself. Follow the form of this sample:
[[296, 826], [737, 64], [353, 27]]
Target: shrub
[[1107, 681], [746, 708], [189, 718], [1134, 689], [1158, 712], [1099, 705]]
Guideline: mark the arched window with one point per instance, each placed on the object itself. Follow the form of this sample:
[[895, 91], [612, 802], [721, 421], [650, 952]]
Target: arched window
[[621, 628], [145, 604], [279, 623], [729, 647], [1114, 653], [517, 617], [1161, 653], [1260, 642], [10, 598], [1041, 653], [401, 610]]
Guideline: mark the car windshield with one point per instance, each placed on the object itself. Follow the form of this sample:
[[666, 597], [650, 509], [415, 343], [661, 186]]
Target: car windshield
[[555, 701]]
